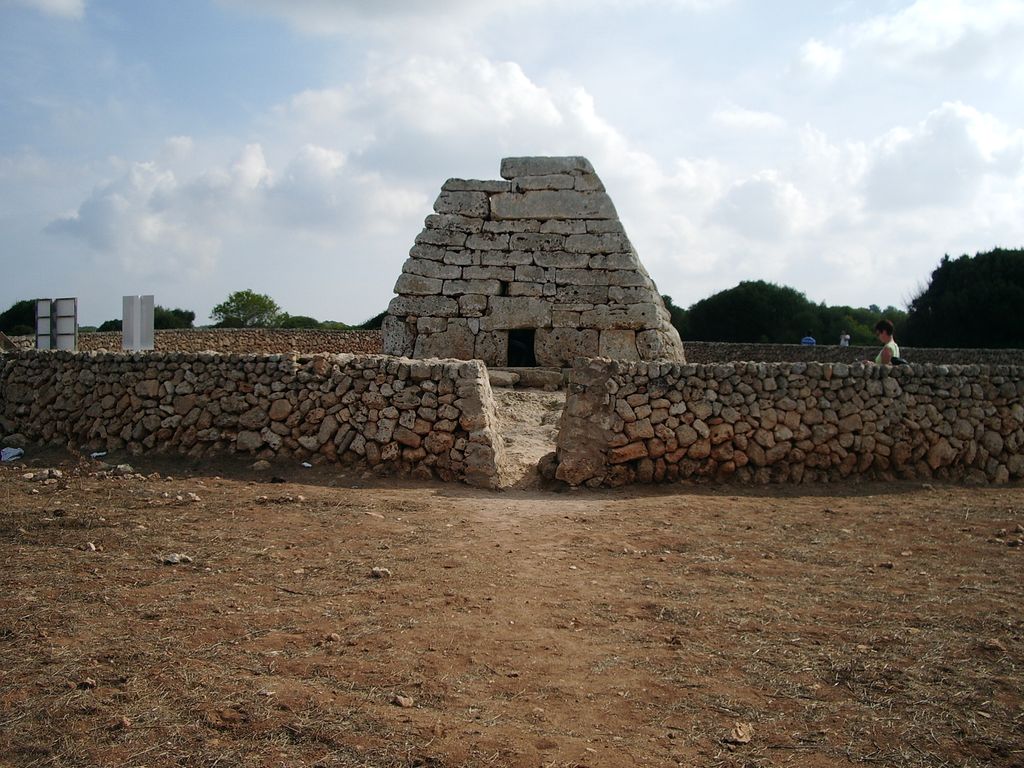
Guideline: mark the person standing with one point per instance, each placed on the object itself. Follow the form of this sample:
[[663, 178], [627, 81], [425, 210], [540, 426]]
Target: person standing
[[844, 339], [890, 349]]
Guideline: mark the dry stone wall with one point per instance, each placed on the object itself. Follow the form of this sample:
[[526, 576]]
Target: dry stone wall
[[543, 250], [429, 418], [790, 422], [726, 352]]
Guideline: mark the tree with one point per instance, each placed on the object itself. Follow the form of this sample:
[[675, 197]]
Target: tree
[[164, 318], [754, 311], [109, 325], [297, 321], [19, 319], [373, 323], [971, 302], [246, 309]]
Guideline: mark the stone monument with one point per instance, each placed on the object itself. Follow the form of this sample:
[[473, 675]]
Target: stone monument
[[535, 269]]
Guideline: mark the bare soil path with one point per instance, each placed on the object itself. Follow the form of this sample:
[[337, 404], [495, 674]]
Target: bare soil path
[[818, 626], [528, 425]]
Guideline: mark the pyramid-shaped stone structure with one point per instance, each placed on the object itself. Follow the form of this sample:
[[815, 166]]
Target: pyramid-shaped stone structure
[[535, 269]]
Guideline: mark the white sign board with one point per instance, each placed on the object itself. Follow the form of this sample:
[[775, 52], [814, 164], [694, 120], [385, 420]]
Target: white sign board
[[57, 324], [137, 322]]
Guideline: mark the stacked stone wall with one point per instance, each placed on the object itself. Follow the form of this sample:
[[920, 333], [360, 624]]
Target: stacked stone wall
[[237, 340], [790, 422], [724, 352], [430, 418]]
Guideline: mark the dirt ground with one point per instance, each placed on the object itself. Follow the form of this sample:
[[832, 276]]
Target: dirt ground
[[696, 626]]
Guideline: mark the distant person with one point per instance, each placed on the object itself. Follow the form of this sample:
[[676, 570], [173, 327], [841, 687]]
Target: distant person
[[808, 340], [844, 339], [890, 352]]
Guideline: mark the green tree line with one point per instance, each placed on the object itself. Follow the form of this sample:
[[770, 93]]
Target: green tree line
[[970, 301]]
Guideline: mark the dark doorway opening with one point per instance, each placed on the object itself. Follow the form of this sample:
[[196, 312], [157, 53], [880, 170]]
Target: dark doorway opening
[[520, 348]]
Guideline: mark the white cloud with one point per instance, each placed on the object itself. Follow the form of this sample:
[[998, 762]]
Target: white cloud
[[763, 207], [820, 61], [951, 34], [943, 161], [69, 9], [739, 118]]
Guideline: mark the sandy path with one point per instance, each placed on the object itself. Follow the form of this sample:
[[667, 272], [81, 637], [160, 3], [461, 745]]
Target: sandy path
[[528, 424]]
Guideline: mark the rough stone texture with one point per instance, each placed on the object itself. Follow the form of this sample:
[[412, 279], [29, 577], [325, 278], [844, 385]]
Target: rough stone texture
[[278, 340], [724, 352], [543, 250], [434, 418], [790, 422]]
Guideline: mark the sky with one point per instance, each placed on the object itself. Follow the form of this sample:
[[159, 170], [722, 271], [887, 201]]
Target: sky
[[193, 148]]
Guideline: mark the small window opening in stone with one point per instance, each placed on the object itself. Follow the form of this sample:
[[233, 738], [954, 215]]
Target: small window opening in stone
[[503, 288], [520, 348]]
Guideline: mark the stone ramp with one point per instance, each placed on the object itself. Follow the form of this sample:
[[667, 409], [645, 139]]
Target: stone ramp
[[528, 425]]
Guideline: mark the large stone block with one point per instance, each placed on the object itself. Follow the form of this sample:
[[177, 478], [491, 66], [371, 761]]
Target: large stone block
[[543, 204], [609, 243], [513, 167], [492, 347], [431, 306], [417, 285], [632, 316], [505, 312], [457, 341], [475, 185], [618, 345], [433, 269], [560, 346], [472, 204], [399, 339], [536, 241], [479, 287], [549, 181]]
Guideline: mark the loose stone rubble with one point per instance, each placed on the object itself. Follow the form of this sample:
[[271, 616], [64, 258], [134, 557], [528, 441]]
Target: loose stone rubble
[[541, 250], [790, 422], [429, 418]]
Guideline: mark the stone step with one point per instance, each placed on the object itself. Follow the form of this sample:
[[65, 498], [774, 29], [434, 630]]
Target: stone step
[[547, 379]]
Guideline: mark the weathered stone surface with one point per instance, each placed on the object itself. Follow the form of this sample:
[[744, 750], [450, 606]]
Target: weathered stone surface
[[547, 253], [514, 167], [543, 204], [618, 345]]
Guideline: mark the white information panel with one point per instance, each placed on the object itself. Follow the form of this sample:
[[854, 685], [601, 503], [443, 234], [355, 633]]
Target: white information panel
[[137, 322], [57, 324]]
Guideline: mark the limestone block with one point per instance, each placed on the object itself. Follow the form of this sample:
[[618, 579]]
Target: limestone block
[[475, 185], [398, 339], [472, 305], [565, 226], [516, 312], [618, 345], [614, 261], [431, 306], [488, 241], [632, 316], [457, 341], [448, 238], [512, 226], [417, 285], [428, 252], [461, 258], [492, 347], [563, 318], [544, 204], [464, 203], [581, 294], [561, 260], [580, 277], [599, 226], [537, 242], [589, 182], [479, 287], [627, 277], [529, 274], [592, 243], [431, 325], [454, 222], [514, 167], [489, 273], [560, 346], [432, 269], [506, 258], [526, 289], [549, 181]]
